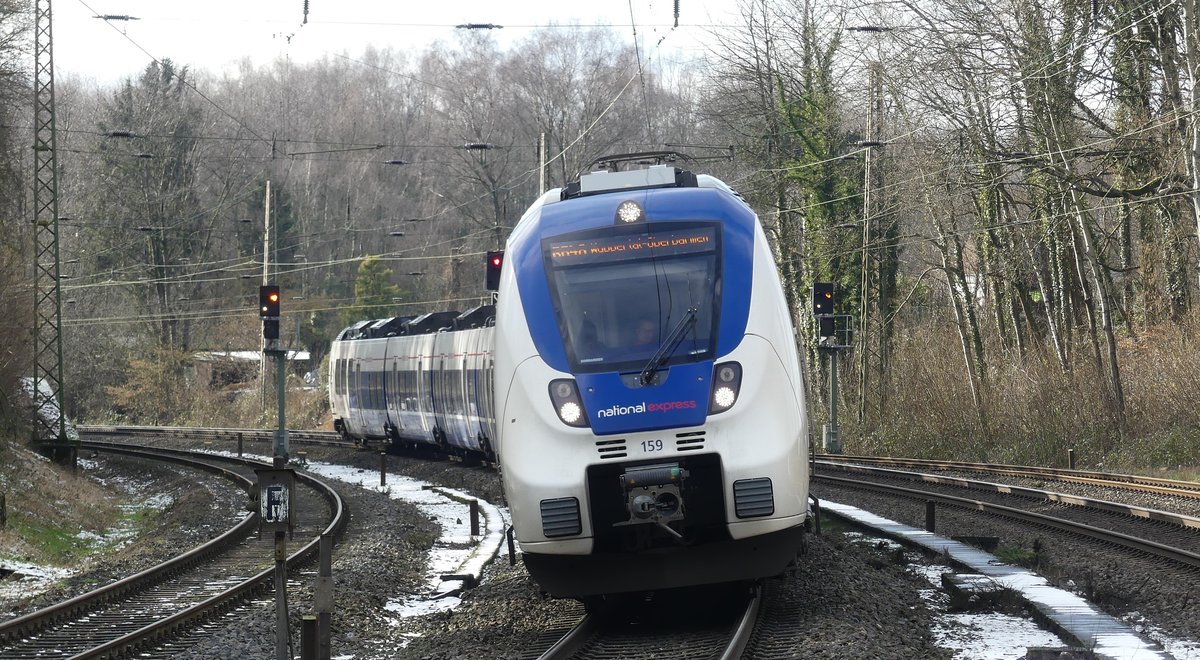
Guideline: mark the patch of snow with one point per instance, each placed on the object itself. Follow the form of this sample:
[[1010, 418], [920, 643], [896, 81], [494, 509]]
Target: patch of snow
[[421, 607], [968, 634], [1002, 636], [979, 634], [1179, 649], [990, 635], [1103, 635], [49, 410], [28, 579], [455, 552]]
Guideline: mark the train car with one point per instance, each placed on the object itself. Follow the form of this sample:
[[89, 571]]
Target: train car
[[650, 425], [417, 382]]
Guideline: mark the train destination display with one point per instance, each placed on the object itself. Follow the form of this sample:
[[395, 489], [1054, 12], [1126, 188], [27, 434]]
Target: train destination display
[[673, 242]]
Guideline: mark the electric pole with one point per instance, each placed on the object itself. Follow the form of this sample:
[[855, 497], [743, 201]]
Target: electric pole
[[49, 418], [266, 279], [872, 331]]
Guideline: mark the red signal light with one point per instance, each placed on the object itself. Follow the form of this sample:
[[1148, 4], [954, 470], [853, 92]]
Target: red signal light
[[495, 261]]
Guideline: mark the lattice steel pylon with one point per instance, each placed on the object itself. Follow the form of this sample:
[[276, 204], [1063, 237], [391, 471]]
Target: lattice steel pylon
[[49, 420]]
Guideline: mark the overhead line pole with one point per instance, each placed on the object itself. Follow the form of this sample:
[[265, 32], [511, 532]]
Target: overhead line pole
[[262, 363], [49, 418]]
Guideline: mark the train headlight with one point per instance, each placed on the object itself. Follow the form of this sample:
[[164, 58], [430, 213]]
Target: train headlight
[[570, 412], [565, 397], [727, 383], [723, 397], [630, 211]]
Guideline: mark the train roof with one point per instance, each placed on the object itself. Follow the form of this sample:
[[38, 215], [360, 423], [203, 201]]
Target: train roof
[[354, 331], [638, 171], [386, 327], [476, 317], [431, 322], [397, 326]]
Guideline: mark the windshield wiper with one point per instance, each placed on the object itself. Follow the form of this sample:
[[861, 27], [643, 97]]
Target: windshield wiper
[[668, 347]]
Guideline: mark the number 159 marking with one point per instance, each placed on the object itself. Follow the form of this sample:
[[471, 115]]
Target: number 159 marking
[[649, 446]]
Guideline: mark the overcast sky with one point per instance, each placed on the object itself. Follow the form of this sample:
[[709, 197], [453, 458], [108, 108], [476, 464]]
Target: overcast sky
[[211, 34]]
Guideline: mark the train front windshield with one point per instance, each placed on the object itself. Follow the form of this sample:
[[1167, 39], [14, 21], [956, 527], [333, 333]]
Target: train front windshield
[[622, 293]]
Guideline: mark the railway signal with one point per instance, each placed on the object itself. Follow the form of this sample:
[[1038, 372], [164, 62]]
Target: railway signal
[[495, 261], [822, 298], [268, 310], [827, 330]]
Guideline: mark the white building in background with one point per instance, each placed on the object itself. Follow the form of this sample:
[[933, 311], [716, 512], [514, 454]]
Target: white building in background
[[219, 369]]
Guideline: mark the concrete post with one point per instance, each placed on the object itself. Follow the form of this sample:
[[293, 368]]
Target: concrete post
[[282, 634], [323, 598]]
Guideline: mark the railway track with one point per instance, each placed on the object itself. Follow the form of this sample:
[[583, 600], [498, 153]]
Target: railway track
[[708, 628], [1168, 535], [179, 594], [1188, 489], [327, 438]]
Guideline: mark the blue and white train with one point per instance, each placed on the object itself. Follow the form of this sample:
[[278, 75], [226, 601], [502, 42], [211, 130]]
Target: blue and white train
[[649, 417], [417, 382]]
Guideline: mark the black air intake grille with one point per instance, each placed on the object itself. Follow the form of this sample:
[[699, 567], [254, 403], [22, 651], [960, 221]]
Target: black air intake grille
[[753, 498], [689, 441], [560, 517], [611, 449]]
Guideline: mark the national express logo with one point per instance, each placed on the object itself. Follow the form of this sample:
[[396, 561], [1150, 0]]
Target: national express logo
[[643, 407]]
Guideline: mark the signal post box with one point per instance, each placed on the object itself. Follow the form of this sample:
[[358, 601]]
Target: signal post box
[[274, 499]]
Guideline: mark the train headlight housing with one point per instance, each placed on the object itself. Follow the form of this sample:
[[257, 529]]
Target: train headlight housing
[[565, 396], [727, 383]]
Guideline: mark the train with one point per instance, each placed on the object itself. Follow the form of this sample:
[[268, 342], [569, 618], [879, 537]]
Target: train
[[417, 382], [637, 381]]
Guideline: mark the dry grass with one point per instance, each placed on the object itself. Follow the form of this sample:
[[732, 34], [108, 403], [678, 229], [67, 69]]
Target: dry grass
[[48, 508], [1033, 411], [244, 408]]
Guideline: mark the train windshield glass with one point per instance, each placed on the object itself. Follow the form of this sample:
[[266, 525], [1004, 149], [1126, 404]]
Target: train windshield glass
[[621, 291]]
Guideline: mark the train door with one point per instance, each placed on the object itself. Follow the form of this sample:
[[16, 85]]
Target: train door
[[337, 402], [391, 390], [472, 364], [359, 399], [456, 396], [465, 394], [486, 395], [424, 393], [411, 374], [437, 381]]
